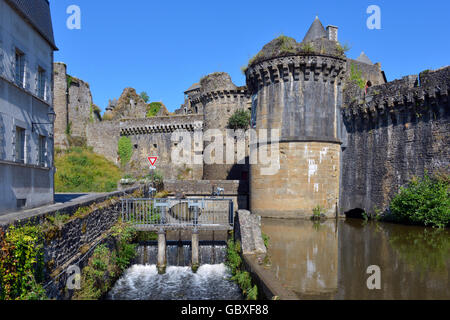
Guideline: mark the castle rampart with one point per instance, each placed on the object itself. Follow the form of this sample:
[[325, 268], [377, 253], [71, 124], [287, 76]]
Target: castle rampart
[[398, 130]]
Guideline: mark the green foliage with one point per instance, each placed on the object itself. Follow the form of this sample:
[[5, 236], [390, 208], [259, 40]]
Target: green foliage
[[307, 47], [125, 150], [58, 220], [317, 211], [104, 266], [124, 234], [242, 278], [69, 81], [144, 96], [157, 178], [81, 170], [424, 201], [69, 128], [153, 109], [21, 264], [239, 120], [266, 240], [287, 44], [356, 76], [342, 49]]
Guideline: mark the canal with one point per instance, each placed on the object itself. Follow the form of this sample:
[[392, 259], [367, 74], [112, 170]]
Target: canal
[[329, 260]]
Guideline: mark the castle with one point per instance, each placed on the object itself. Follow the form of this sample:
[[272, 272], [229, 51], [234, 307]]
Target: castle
[[348, 138]]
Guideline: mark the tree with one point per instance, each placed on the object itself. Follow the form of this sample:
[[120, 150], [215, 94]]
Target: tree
[[240, 120], [145, 96]]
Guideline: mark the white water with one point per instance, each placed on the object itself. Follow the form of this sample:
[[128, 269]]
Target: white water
[[142, 282]]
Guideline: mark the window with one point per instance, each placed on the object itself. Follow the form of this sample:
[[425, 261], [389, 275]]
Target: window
[[41, 83], [20, 68], [42, 150], [20, 145]]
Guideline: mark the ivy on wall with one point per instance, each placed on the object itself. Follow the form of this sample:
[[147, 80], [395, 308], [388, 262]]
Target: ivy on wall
[[125, 150]]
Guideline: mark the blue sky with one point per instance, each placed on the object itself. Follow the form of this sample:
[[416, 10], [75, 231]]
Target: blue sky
[[163, 47]]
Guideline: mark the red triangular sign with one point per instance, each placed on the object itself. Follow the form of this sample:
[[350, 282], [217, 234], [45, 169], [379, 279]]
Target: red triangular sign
[[152, 160]]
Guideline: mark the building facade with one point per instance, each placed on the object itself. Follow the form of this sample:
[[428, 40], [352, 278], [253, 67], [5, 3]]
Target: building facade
[[26, 104]]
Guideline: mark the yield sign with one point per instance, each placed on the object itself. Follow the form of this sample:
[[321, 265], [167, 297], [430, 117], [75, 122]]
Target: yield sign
[[152, 160]]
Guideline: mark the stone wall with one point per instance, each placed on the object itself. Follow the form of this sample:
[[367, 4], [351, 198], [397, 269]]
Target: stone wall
[[74, 107], [397, 131], [104, 137], [73, 243], [153, 137]]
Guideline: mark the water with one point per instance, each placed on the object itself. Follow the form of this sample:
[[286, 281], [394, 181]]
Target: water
[[329, 260], [210, 282]]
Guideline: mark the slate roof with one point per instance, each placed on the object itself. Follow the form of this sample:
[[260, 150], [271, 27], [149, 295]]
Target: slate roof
[[364, 59], [193, 87], [37, 13], [316, 31]]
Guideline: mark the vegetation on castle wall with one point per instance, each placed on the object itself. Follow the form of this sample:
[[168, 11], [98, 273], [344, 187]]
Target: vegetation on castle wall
[[356, 76], [81, 170], [21, 263], [240, 120], [153, 109], [424, 201], [106, 266], [240, 276], [125, 150]]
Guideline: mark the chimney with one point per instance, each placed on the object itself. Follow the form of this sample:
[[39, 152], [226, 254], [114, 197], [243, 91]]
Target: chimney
[[332, 33]]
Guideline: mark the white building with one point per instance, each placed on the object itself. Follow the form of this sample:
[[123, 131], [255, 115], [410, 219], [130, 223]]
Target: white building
[[26, 110]]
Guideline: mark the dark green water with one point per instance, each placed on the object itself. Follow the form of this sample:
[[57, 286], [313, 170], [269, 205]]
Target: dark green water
[[329, 260]]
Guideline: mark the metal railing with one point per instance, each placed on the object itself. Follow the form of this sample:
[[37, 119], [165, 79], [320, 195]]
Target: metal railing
[[202, 213]]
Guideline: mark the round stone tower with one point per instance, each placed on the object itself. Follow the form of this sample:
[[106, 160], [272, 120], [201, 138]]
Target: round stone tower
[[220, 99], [297, 88]]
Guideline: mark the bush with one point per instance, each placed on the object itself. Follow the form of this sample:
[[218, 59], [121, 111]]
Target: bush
[[21, 264], [81, 170], [424, 201], [240, 120], [153, 109], [125, 150]]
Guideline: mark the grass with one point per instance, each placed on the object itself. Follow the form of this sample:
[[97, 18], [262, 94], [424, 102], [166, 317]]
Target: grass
[[153, 109], [81, 170]]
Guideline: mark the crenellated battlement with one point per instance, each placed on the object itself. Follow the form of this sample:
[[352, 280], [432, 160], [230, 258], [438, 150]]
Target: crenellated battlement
[[316, 67], [161, 125], [411, 92], [224, 96]]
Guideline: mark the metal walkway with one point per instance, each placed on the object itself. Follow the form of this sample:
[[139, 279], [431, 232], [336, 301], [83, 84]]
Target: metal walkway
[[151, 214]]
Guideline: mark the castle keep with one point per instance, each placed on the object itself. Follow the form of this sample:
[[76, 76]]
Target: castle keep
[[348, 138]]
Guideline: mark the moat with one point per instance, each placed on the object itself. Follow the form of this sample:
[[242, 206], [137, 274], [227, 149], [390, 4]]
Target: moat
[[329, 260]]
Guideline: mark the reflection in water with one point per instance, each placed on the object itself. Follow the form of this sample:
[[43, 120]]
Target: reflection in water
[[330, 260]]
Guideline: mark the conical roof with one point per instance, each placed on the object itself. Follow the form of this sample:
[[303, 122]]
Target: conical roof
[[363, 58], [316, 31]]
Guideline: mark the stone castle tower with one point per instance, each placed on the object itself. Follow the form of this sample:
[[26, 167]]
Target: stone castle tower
[[297, 88], [220, 99]]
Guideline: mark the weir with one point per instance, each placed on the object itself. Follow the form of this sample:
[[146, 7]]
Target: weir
[[171, 214]]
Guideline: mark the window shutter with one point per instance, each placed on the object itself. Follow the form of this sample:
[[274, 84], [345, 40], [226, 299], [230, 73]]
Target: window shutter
[[2, 134], [29, 155]]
